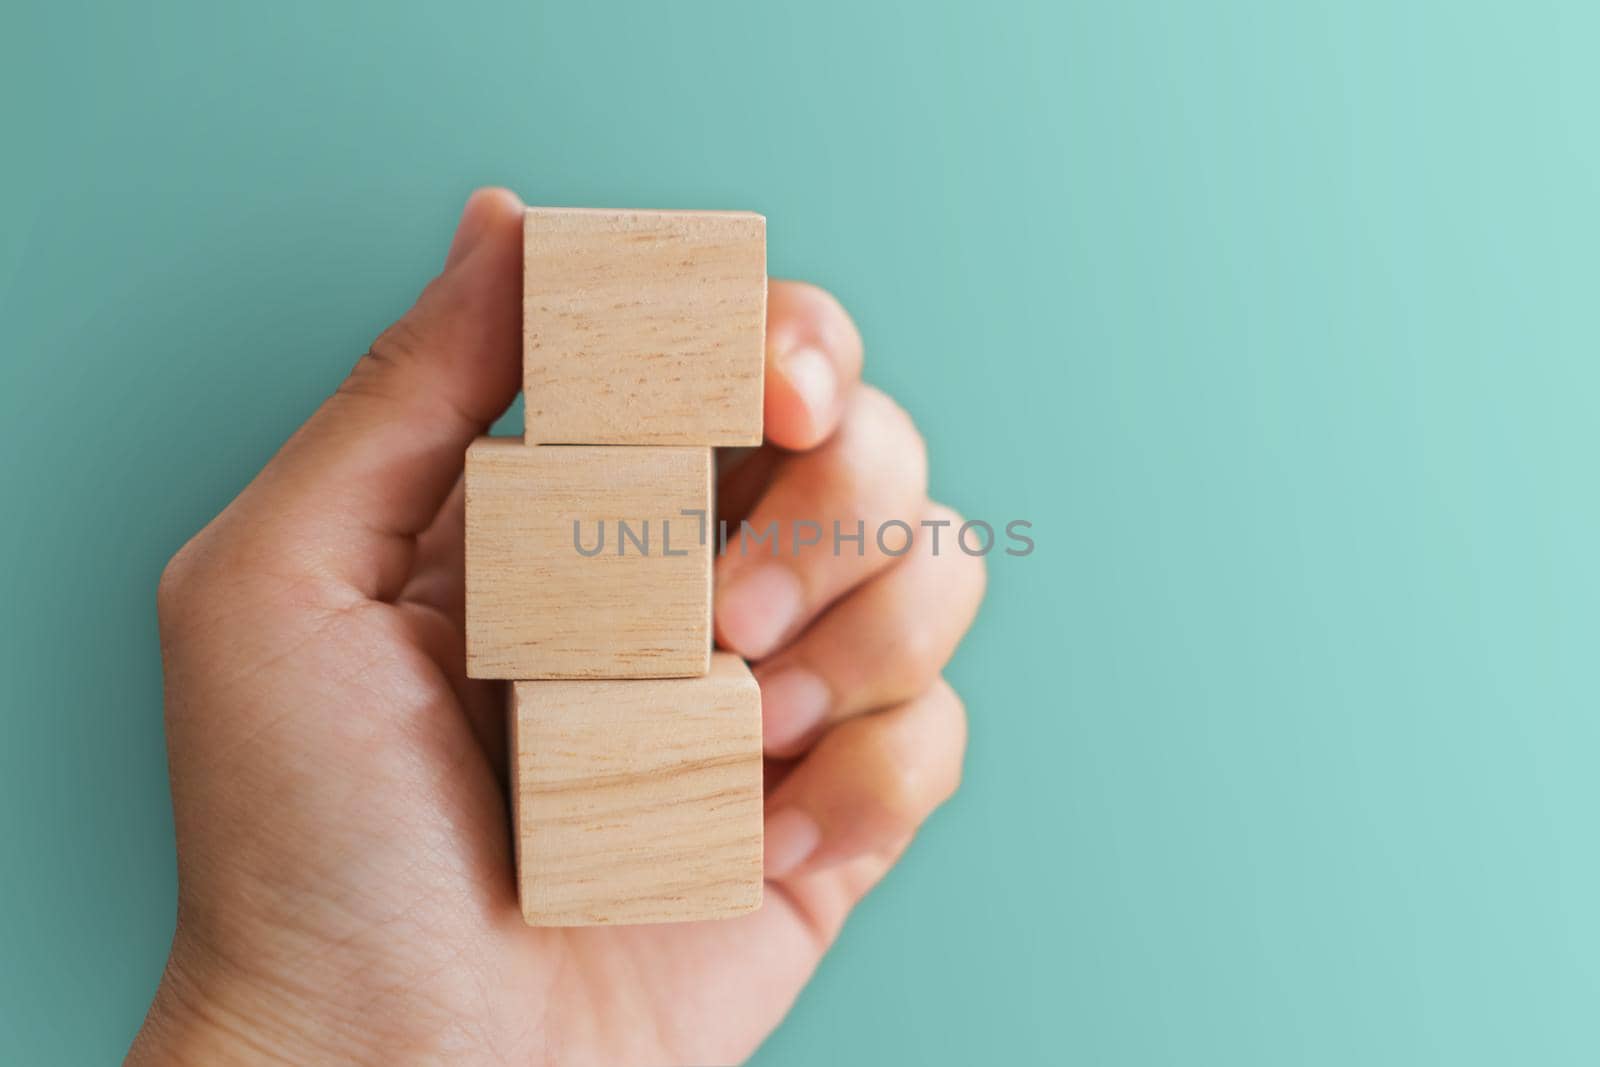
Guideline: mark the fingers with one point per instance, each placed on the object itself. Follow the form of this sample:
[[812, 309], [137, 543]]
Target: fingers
[[837, 515], [867, 786], [370, 469], [813, 361], [884, 643]]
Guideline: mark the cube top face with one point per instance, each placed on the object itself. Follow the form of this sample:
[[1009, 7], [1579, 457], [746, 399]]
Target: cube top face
[[638, 801], [643, 327], [580, 561]]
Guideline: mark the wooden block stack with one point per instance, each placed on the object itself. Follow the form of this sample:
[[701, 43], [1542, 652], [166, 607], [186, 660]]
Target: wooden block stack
[[637, 750]]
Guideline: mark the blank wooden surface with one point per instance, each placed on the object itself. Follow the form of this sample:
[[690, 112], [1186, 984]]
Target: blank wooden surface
[[638, 801], [643, 327], [537, 608]]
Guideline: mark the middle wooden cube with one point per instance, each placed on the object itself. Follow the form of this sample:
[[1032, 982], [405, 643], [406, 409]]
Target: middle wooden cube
[[587, 561]]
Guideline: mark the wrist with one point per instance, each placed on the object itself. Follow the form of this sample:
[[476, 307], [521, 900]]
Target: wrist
[[210, 1010], [195, 1020], [204, 1012]]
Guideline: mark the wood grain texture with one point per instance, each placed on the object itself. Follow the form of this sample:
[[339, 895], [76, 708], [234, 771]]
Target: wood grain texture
[[643, 327], [638, 801], [537, 608]]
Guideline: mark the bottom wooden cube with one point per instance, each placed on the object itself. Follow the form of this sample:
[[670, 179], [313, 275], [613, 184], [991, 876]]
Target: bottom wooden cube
[[638, 801]]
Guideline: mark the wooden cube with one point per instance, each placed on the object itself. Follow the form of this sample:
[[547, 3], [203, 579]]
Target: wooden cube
[[643, 327], [540, 605], [638, 801]]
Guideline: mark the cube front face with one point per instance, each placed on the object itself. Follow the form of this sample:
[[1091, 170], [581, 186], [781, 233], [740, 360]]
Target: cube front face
[[580, 561], [643, 327], [638, 801]]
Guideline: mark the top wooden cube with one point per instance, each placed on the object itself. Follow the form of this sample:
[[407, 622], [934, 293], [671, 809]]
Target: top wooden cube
[[643, 327]]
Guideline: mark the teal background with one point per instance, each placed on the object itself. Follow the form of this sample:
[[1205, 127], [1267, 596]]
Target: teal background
[[1278, 320]]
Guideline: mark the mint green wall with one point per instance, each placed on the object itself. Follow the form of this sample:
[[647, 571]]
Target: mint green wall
[[1281, 321]]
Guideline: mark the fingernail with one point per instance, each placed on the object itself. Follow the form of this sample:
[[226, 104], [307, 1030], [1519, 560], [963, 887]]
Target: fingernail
[[791, 837], [793, 701], [811, 373], [757, 608]]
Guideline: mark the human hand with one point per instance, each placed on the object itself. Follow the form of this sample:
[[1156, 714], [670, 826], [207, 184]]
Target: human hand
[[344, 849]]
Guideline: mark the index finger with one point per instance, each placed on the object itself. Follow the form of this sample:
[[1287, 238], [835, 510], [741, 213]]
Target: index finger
[[813, 362]]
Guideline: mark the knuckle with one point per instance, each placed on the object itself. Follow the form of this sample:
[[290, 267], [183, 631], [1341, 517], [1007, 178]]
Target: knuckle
[[400, 342], [394, 347], [957, 771], [971, 570], [210, 572], [921, 655], [175, 589], [393, 351], [885, 447], [369, 378], [169, 589], [950, 702], [911, 761], [973, 574], [938, 512], [956, 712], [899, 798], [893, 420]]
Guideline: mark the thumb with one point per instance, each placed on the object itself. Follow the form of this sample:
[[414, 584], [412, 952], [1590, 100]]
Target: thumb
[[353, 487]]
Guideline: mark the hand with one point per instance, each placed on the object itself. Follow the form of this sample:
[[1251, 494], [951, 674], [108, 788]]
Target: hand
[[344, 852]]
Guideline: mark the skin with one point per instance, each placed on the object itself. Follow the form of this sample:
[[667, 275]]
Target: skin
[[344, 852]]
